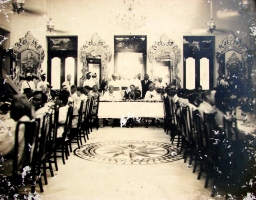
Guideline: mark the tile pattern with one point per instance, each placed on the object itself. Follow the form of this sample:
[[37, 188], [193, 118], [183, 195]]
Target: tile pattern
[[129, 152]]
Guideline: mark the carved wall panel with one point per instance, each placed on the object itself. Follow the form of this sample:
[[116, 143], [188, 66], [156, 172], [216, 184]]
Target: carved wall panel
[[28, 55], [165, 50], [96, 49]]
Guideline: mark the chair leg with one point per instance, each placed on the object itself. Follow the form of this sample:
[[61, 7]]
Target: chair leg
[[195, 165], [55, 160], [51, 170], [200, 171], [62, 155], [44, 171], [40, 184]]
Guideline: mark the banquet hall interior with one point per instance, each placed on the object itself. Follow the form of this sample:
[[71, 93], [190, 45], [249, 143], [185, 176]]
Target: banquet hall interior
[[131, 99]]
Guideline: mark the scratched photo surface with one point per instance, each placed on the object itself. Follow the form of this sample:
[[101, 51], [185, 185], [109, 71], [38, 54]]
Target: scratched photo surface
[[128, 99]]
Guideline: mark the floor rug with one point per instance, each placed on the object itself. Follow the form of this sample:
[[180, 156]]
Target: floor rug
[[129, 152]]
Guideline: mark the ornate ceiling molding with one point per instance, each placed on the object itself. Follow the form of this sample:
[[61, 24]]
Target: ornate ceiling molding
[[233, 43], [96, 48], [164, 49]]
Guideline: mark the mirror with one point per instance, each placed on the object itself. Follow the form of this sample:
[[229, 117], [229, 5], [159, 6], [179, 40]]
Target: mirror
[[231, 56], [165, 56], [95, 56], [130, 55]]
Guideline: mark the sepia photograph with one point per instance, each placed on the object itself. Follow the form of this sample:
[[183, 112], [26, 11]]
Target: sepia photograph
[[128, 99]]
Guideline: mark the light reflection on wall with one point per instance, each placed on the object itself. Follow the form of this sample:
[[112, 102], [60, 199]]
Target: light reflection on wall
[[129, 64], [56, 73]]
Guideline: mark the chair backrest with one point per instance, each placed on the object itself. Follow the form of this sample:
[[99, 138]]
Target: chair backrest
[[68, 123], [167, 107], [198, 131], [96, 105], [80, 114], [31, 129], [185, 123], [212, 134]]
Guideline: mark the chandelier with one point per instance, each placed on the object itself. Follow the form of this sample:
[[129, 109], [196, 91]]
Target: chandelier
[[129, 20]]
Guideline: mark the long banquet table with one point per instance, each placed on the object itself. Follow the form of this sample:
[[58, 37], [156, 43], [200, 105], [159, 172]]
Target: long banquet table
[[120, 109]]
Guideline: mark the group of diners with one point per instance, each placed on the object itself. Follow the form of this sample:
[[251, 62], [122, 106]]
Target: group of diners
[[206, 126]]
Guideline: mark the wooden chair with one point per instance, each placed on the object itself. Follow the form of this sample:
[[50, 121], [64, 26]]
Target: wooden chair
[[188, 139], [85, 124], [62, 143], [213, 143], [167, 116], [94, 114]]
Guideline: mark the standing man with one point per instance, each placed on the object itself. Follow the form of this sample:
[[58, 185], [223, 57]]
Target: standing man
[[68, 83], [137, 83], [83, 78], [88, 82], [116, 84], [95, 79], [42, 85], [145, 85], [28, 86]]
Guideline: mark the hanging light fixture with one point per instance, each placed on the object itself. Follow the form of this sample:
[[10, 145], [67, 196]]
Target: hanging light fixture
[[130, 21], [50, 24], [18, 5], [211, 24]]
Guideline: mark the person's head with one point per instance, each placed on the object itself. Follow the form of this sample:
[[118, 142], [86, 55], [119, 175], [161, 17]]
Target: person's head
[[73, 89], [88, 75], [199, 88], [151, 87], [29, 77], [139, 76], [132, 87], [39, 99], [20, 107], [79, 91], [64, 87], [209, 96], [43, 77], [114, 77], [194, 99], [95, 88], [111, 89], [68, 77], [94, 75], [63, 97], [146, 77], [86, 90], [160, 79]]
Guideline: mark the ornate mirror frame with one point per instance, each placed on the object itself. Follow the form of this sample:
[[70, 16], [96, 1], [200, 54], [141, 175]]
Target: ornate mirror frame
[[96, 49], [28, 55], [231, 43], [168, 51]]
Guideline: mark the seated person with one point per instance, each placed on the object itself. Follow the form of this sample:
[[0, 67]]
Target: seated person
[[95, 92], [110, 95], [20, 110], [151, 94], [132, 94], [207, 103], [39, 100], [63, 111]]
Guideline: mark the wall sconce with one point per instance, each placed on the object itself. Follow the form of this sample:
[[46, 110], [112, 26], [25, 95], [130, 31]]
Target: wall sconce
[[18, 5], [211, 26], [50, 25], [244, 5]]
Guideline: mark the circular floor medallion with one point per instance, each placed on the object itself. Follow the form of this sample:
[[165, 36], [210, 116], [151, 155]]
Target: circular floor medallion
[[129, 152]]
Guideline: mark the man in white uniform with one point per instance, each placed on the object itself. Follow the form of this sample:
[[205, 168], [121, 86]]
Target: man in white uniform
[[68, 82], [89, 81], [110, 95], [42, 85], [116, 84]]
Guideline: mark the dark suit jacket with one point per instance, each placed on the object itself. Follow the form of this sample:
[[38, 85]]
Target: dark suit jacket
[[133, 96], [144, 87]]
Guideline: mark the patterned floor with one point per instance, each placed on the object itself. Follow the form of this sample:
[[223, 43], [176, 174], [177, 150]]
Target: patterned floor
[[129, 152]]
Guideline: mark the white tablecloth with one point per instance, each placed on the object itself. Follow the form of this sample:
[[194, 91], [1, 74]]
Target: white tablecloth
[[130, 109]]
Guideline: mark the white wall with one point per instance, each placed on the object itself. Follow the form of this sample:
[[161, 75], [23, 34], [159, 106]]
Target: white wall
[[83, 18]]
